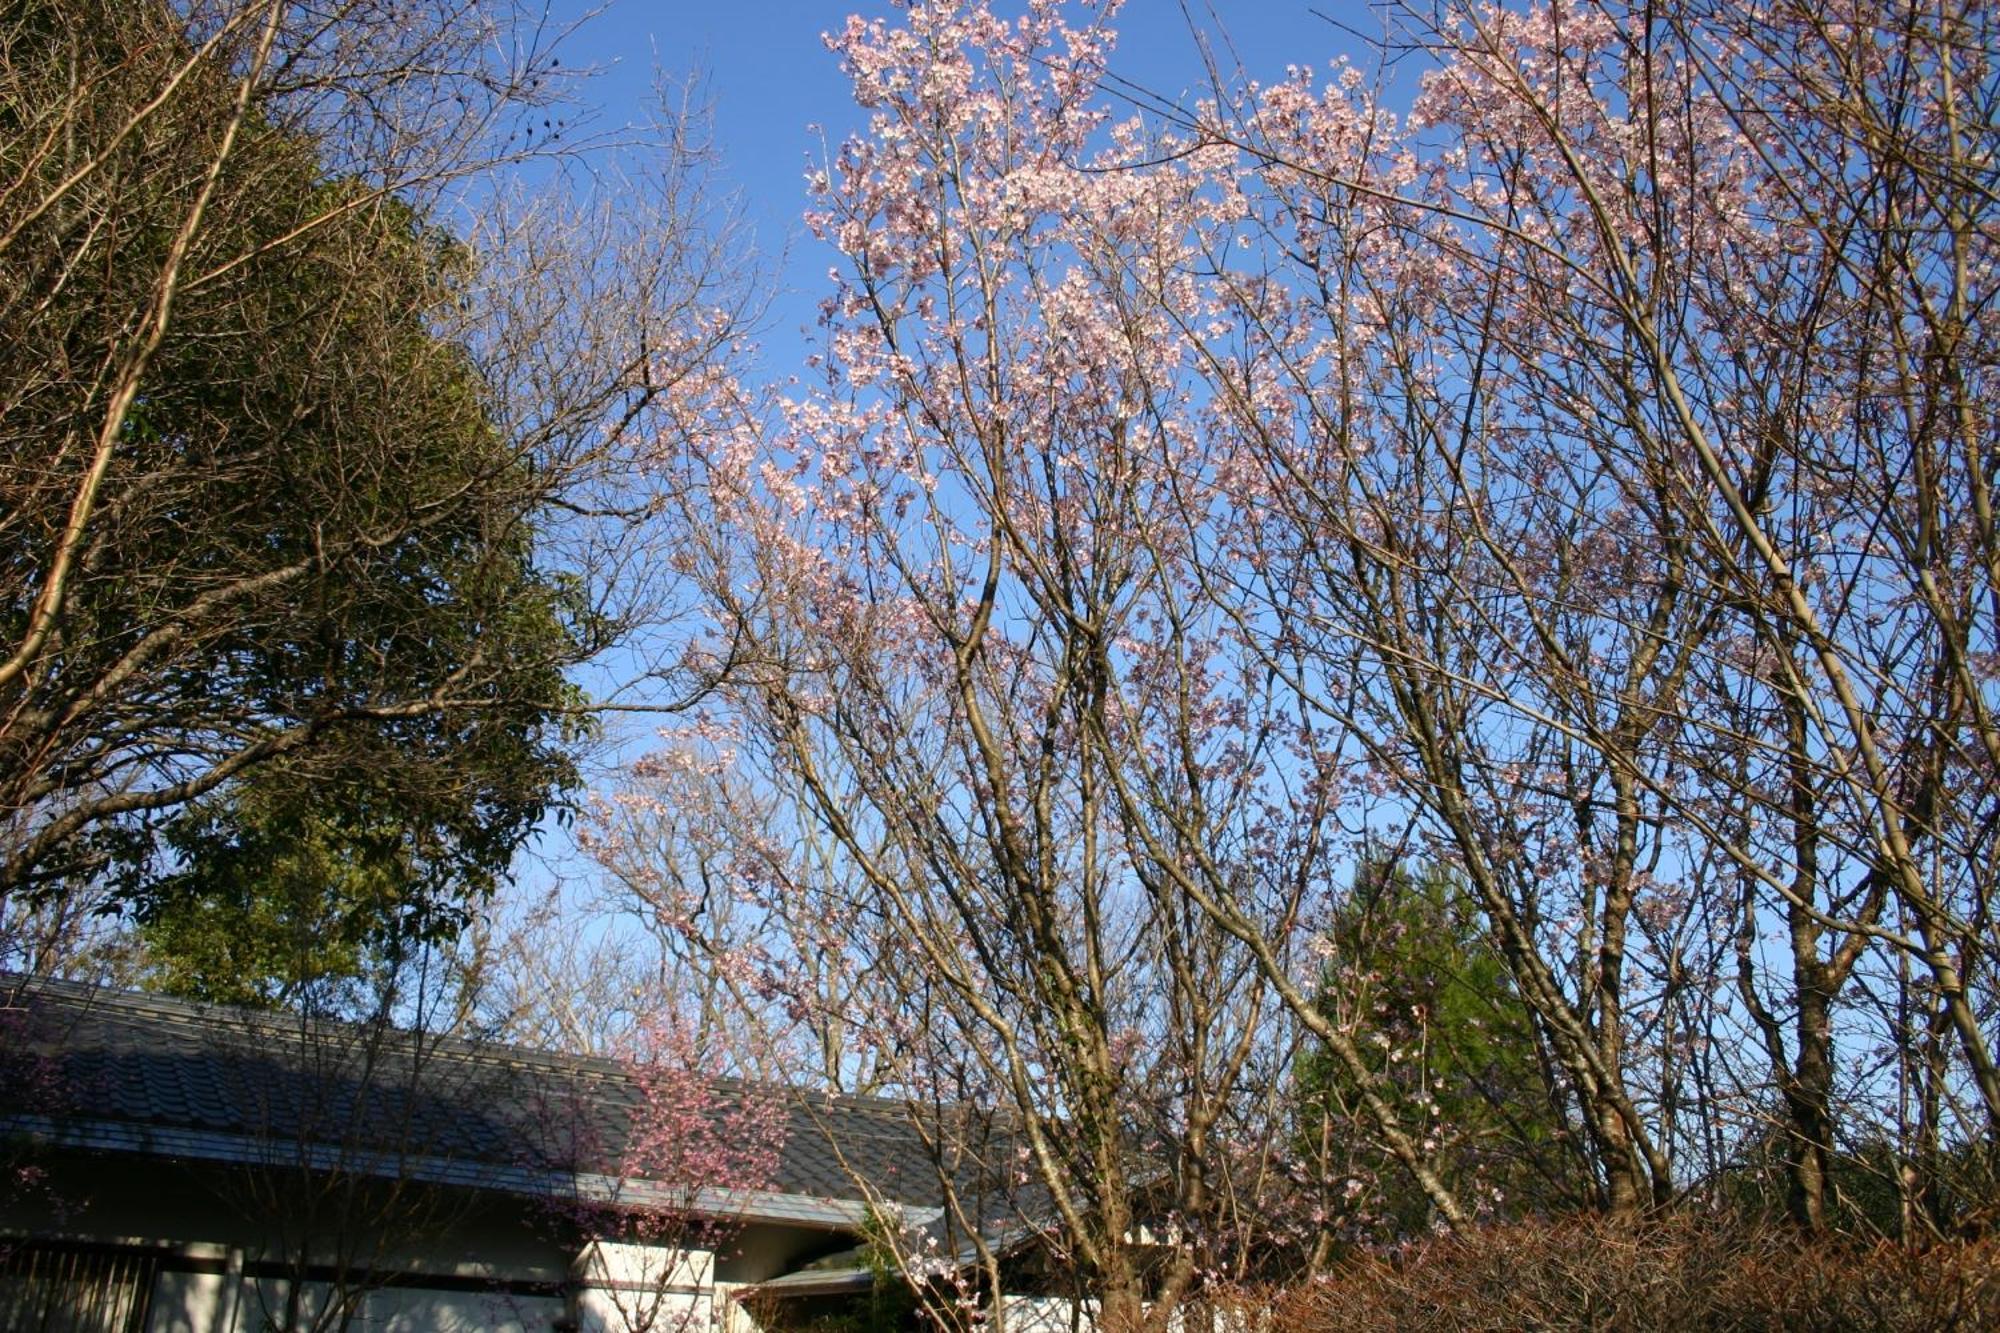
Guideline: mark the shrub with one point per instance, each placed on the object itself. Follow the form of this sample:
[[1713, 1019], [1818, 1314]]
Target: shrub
[[1679, 1273]]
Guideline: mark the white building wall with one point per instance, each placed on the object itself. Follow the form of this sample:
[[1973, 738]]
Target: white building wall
[[627, 1288], [1050, 1314], [1056, 1314], [187, 1302], [416, 1310], [199, 1303]]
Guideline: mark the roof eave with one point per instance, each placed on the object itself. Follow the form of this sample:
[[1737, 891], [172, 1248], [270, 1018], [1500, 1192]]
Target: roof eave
[[188, 1144]]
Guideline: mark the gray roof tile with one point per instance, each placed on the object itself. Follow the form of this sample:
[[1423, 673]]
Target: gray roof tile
[[285, 1082]]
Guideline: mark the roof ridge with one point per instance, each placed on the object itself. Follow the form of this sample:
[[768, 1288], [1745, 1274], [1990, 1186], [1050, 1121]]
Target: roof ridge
[[241, 1019], [211, 1016]]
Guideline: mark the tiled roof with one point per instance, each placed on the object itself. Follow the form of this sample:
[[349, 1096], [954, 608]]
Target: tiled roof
[[159, 1071]]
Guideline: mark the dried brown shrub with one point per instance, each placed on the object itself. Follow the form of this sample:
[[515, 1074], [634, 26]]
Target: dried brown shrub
[[1678, 1273]]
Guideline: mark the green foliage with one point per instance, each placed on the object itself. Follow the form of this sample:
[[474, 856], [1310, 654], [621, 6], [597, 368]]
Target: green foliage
[[890, 1304], [1435, 1013], [1876, 1192], [275, 894], [291, 880], [306, 692]]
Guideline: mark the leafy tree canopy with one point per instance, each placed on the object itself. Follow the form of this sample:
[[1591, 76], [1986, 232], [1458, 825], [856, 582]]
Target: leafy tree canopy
[[1408, 965], [283, 651]]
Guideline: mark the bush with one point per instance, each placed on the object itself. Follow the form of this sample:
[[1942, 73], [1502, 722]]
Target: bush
[[1681, 1273]]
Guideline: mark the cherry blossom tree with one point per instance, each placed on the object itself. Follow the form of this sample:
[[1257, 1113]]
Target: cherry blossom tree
[[1580, 480], [1612, 404], [657, 1197], [1003, 725]]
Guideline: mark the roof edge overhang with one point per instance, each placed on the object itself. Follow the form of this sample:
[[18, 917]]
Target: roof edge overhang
[[806, 1282], [188, 1144]]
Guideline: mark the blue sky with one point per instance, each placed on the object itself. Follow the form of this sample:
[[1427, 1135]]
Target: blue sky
[[770, 80]]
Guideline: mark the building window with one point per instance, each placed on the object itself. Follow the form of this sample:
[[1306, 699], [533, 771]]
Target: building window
[[52, 1288]]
